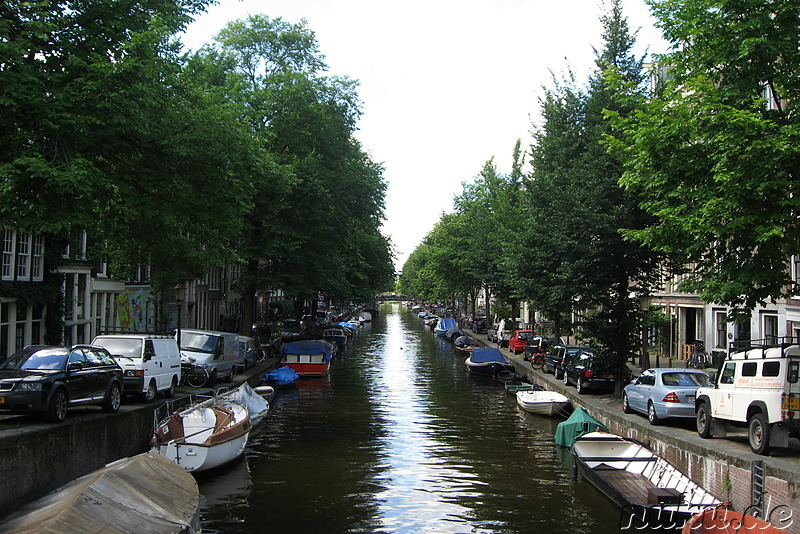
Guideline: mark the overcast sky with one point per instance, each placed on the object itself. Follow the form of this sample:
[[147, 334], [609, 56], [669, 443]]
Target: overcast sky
[[445, 84]]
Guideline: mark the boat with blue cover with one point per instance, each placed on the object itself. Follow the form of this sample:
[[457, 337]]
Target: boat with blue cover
[[282, 376], [444, 324], [310, 357], [487, 362]]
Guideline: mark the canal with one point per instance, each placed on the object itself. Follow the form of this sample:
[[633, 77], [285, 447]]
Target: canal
[[401, 438]]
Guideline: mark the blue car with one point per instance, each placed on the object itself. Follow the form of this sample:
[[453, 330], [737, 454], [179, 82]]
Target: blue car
[[663, 393]]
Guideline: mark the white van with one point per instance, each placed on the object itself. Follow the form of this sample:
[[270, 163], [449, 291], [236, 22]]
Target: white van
[[149, 363], [218, 352]]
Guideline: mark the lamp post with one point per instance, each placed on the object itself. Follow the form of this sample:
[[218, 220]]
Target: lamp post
[[180, 292]]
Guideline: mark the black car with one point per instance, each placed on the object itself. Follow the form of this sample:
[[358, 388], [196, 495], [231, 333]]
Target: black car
[[556, 359], [579, 370], [480, 325], [48, 380]]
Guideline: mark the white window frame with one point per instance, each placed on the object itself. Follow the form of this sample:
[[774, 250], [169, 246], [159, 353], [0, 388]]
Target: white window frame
[[9, 253]]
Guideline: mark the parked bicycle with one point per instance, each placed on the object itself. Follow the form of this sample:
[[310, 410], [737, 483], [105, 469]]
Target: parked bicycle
[[699, 359], [194, 375]]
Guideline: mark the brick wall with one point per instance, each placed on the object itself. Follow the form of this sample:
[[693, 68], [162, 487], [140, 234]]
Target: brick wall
[[36, 459]]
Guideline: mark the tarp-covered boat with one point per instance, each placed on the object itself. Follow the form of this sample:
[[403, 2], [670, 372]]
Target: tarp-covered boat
[[311, 357], [444, 324], [487, 362], [143, 493], [576, 425], [282, 376]]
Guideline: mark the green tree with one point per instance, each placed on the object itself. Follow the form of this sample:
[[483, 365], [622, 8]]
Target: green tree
[[715, 155], [313, 225], [99, 131]]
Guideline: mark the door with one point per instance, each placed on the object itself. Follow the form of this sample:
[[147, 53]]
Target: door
[[79, 380], [725, 389]]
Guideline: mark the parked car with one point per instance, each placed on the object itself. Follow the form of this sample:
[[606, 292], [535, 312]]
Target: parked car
[[579, 370], [48, 380], [216, 352], [248, 353], [556, 359], [664, 393], [505, 329], [267, 338], [291, 330], [539, 346], [480, 325], [149, 363], [519, 339]]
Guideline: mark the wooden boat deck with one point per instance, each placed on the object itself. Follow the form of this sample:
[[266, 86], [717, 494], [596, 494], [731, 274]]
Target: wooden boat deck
[[633, 486]]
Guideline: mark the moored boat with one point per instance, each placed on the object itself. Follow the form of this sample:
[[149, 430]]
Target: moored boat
[[444, 324], [335, 334], [311, 357], [205, 435], [650, 490], [487, 362], [543, 402], [465, 344], [282, 376], [143, 493]]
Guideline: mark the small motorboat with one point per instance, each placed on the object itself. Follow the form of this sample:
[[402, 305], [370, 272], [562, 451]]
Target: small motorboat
[[723, 520], [205, 435], [487, 362], [310, 357], [465, 344], [444, 325], [336, 335], [651, 491], [143, 493], [543, 402], [282, 376], [255, 400]]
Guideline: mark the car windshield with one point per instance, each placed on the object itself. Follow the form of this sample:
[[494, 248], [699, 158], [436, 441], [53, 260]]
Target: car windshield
[[290, 324], [684, 379], [128, 348], [198, 342], [525, 335], [41, 360]]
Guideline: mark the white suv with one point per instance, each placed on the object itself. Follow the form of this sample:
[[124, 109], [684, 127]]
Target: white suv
[[757, 387]]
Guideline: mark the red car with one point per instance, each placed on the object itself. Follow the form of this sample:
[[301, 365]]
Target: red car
[[519, 339]]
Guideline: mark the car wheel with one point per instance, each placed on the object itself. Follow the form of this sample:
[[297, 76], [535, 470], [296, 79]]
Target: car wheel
[[652, 416], [170, 392], [57, 409], [113, 399], [558, 373], [580, 387], [758, 434], [150, 393], [212, 380], [566, 378], [625, 406], [703, 421]]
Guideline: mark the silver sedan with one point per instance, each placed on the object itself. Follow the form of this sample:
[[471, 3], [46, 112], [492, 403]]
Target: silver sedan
[[663, 393]]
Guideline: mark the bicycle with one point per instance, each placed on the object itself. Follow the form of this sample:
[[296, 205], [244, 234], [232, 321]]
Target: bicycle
[[699, 359], [194, 375], [537, 362]]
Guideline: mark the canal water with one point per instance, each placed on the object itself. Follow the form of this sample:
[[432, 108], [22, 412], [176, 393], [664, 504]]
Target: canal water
[[401, 438]]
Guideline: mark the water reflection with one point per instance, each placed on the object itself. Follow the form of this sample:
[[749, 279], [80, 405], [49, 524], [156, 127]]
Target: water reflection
[[401, 438]]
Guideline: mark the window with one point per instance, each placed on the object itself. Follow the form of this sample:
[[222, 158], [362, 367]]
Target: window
[[8, 255], [770, 328], [792, 374], [728, 373], [23, 257], [771, 369], [37, 259], [749, 369], [721, 327]]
